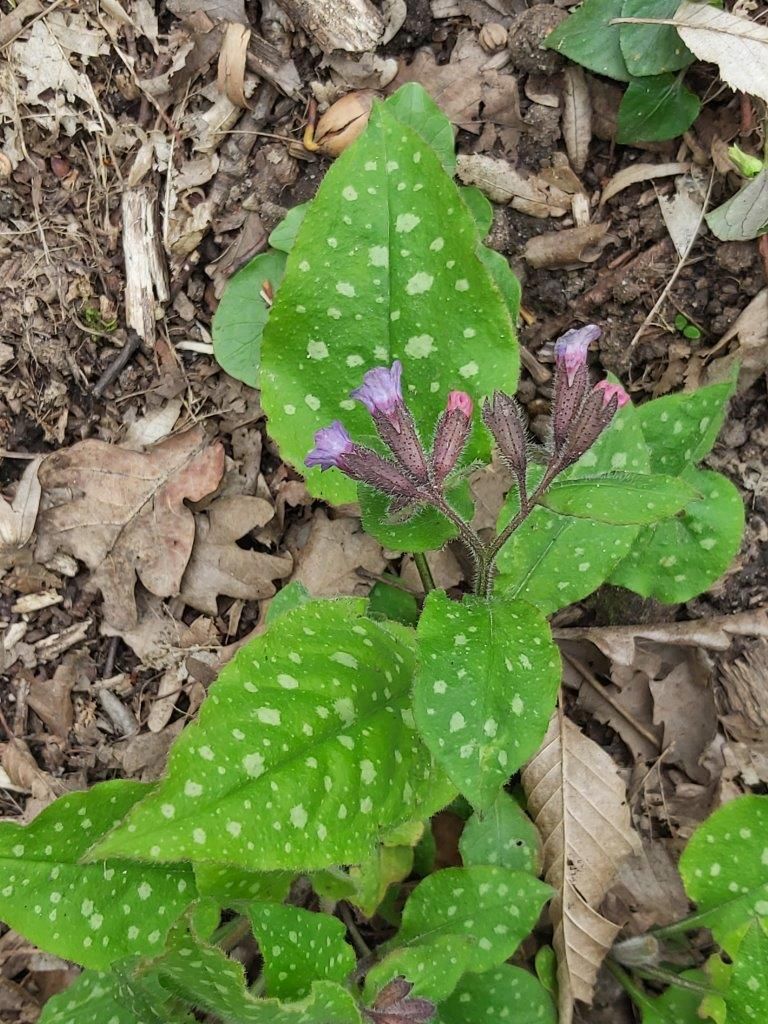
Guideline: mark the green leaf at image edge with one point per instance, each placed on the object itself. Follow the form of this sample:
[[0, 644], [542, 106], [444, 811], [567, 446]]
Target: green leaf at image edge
[[655, 109], [588, 37]]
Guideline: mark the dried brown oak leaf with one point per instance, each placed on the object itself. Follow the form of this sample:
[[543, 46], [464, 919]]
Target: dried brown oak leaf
[[579, 805], [219, 566], [123, 514]]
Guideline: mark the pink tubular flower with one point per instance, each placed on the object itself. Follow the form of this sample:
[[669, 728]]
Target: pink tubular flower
[[380, 391], [461, 401], [571, 349], [611, 391], [331, 443]]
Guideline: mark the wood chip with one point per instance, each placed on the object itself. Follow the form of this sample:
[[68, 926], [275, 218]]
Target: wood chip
[[146, 272]]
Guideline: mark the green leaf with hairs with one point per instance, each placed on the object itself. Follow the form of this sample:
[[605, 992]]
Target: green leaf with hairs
[[95, 996], [385, 266], [299, 947], [508, 993], [304, 753], [725, 869], [238, 323], [231, 886], [624, 499], [95, 913], [413, 107], [459, 920], [426, 529], [553, 560], [485, 688]]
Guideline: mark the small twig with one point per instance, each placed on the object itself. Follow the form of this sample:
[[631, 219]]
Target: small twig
[[119, 363], [598, 687], [681, 262], [358, 941]]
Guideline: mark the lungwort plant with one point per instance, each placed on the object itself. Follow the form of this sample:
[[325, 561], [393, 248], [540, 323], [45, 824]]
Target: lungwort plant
[[387, 363]]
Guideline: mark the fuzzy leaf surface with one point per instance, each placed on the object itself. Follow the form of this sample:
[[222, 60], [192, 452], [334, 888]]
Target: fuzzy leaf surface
[[100, 997], [459, 920], [385, 266], [310, 726], [485, 997], [426, 530], [299, 947], [485, 687], [725, 867], [554, 560], [624, 499], [504, 836], [747, 994], [578, 803], [95, 913], [230, 886]]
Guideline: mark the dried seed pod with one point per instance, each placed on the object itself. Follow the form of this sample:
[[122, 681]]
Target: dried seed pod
[[493, 37], [342, 123]]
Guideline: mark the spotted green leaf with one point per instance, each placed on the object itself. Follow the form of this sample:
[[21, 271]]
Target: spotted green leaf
[[676, 1005], [681, 557], [471, 919], [413, 107], [299, 947], [681, 429], [95, 913], [504, 836], [747, 994], [622, 499], [508, 993], [365, 885], [554, 560], [304, 752], [202, 975], [725, 867], [385, 266], [485, 688], [96, 996], [231, 886], [238, 323]]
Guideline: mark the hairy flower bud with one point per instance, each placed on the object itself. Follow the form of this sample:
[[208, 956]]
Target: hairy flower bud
[[451, 435], [382, 396], [571, 378], [596, 413], [504, 419], [370, 468]]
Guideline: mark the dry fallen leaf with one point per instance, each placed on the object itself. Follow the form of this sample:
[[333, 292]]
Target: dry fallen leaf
[[737, 45], [568, 249], [218, 566], [328, 557], [503, 184], [751, 352], [682, 214], [639, 172], [579, 805], [123, 514], [231, 72], [577, 117], [17, 519]]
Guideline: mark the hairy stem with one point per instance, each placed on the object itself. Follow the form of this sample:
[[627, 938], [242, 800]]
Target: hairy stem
[[527, 504]]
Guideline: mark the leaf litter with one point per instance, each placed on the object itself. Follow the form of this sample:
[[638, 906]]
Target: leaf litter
[[92, 653]]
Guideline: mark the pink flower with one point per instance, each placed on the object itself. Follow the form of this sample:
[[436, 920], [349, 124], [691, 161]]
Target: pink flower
[[331, 443], [610, 391], [460, 400], [571, 349], [380, 391]]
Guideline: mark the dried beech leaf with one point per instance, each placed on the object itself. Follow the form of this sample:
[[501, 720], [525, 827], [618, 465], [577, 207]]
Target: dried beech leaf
[[17, 519], [218, 566], [123, 513], [751, 351], [231, 72], [498, 180], [578, 803], [570, 248], [639, 172], [577, 117]]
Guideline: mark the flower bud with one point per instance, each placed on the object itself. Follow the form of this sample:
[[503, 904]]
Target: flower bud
[[504, 419], [382, 396], [571, 378], [451, 435], [596, 413], [610, 391], [370, 468], [342, 123]]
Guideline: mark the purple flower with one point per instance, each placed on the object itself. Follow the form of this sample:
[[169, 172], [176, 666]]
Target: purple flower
[[380, 391], [571, 349], [611, 391], [460, 400], [331, 443]]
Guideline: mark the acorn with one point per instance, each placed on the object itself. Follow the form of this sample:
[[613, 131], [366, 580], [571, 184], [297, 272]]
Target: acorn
[[342, 123]]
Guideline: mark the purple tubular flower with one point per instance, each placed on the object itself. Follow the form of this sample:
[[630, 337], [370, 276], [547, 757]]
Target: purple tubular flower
[[382, 396], [331, 443], [571, 379], [571, 349], [451, 435], [595, 414], [380, 391]]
